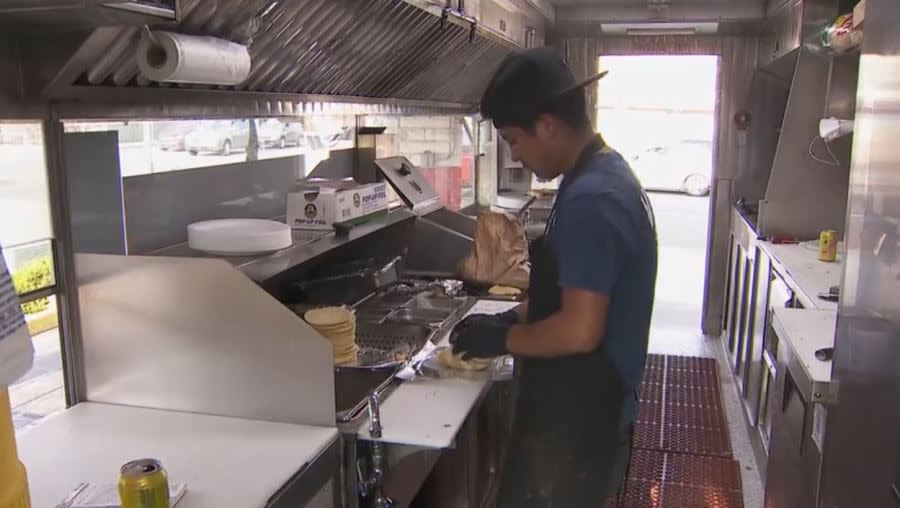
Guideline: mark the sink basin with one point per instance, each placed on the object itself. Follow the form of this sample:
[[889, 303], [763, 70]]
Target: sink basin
[[418, 316], [383, 348]]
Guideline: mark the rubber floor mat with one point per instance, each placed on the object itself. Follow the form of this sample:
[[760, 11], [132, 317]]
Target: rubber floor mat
[[680, 407], [664, 479], [681, 455]]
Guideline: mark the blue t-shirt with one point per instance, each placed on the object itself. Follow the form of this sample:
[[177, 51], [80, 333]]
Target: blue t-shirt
[[604, 237]]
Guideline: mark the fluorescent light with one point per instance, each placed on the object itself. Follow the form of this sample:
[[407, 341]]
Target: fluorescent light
[[660, 28], [661, 31]]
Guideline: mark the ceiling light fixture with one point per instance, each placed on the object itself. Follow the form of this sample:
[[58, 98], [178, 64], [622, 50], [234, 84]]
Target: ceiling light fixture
[[661, 31]]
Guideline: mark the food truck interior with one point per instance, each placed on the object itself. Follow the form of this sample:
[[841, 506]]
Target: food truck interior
[[241, 232]]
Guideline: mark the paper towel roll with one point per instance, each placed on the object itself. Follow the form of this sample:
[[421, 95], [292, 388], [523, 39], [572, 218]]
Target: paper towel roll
[[179, 58]]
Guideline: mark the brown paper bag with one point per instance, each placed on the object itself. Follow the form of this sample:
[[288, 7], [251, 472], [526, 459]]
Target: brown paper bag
[[500, 253]]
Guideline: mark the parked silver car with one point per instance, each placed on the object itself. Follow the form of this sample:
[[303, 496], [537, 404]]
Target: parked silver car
[[224, 137], [682, 167]]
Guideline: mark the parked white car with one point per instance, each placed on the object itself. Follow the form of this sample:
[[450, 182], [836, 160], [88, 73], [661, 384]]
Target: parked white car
[[682, 167], [224, 137]]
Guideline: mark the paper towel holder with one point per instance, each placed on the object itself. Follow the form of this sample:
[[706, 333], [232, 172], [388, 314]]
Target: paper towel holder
[[156, 54]]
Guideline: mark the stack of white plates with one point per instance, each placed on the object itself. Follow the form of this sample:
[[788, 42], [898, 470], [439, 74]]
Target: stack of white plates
[[239, 237]]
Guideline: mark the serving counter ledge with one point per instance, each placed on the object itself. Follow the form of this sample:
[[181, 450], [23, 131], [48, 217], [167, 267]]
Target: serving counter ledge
[[226, 462]]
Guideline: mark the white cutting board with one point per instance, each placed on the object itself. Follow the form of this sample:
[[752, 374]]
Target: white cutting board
[[239, 237]]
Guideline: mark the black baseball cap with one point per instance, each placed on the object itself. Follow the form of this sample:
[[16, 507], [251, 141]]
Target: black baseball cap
[[527, 83]]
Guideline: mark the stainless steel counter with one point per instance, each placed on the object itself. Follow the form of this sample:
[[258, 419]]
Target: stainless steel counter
[[224, 461], [307, 245], [807, 276]]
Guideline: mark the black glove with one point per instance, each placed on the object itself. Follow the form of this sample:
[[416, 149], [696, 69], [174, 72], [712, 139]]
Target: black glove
[[509, 318], [482, 338]]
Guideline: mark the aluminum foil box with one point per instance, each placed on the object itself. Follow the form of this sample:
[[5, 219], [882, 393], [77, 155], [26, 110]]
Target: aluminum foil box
[[319, 204]]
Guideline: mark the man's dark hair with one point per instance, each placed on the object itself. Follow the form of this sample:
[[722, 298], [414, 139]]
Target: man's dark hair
[[509, 111]]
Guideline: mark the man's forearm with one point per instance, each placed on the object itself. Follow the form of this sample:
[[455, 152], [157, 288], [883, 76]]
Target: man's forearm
[[553, 337]]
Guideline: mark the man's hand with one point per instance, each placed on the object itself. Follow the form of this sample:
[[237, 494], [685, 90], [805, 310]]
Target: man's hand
[[508, 318], [481, 338]]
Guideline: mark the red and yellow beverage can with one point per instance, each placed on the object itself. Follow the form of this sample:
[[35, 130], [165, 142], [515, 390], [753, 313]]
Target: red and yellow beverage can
[[144, 484], [828, 242]]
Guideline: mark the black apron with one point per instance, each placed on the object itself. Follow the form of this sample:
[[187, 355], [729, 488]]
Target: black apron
[[568, 449]]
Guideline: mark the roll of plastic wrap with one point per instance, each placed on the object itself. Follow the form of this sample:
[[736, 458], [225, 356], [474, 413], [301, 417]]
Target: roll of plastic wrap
[[239, 237], [179, 58]]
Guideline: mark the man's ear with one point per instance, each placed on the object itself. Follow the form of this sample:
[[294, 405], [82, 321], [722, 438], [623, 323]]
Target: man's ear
[[545, 126]]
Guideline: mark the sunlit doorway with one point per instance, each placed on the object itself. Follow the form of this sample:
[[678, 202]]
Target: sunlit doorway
[[659, 113]]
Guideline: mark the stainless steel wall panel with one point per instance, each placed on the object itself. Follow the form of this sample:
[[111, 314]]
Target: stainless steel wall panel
[[862, 445], [198, 336], [159, 207], [822, 204], [95, 192]]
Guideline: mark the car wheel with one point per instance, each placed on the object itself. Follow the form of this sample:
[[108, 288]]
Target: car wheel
[[226, 147], [193, 152], [696, 185]]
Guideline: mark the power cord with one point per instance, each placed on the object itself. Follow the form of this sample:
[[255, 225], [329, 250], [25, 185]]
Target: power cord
[[832, 162]]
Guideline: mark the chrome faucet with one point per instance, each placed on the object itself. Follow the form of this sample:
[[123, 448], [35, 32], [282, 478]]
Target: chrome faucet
[[372, 486], [374, 415]]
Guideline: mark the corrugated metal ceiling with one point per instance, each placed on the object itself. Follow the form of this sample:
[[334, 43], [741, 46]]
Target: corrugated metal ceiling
[[385, 49]]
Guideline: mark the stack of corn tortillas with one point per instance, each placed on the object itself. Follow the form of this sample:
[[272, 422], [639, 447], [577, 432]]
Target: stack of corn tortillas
[[338, 325], [504, 291], [446, 358]]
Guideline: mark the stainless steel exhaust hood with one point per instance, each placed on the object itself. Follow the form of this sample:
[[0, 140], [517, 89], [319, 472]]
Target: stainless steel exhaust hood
[[372, 49], [28, 15]]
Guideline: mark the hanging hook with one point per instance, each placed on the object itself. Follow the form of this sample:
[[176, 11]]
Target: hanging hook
[[149, 35]]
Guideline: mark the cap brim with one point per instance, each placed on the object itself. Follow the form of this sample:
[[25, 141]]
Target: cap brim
[[584, 83], [592, 79]]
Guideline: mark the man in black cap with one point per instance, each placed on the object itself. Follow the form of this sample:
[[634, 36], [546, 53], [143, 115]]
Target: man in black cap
[[580, 341]]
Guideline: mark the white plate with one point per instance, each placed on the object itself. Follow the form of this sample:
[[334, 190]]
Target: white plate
[[239, 237]]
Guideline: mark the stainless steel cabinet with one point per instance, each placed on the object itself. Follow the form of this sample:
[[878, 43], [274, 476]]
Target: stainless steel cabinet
[[779, 295], [736, 298], [753, 351], [747, 286], [753, 289], [794, 465]]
